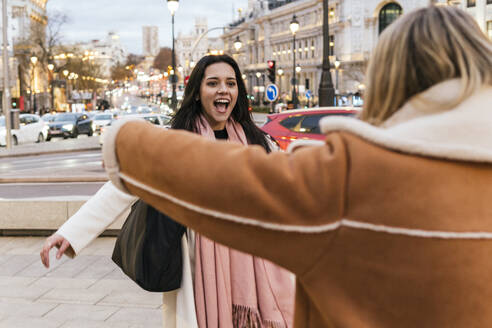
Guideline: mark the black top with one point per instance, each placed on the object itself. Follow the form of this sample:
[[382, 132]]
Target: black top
[[221, 134]]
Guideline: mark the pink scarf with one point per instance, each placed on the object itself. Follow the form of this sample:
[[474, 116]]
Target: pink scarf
[[234, 289]]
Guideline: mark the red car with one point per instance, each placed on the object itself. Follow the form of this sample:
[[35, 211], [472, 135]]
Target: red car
[[290, 125]]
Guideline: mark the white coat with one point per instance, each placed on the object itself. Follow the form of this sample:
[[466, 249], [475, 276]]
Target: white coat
[[96, 215]]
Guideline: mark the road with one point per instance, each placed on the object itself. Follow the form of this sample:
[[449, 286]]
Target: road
[[86, 161], [42, 190]]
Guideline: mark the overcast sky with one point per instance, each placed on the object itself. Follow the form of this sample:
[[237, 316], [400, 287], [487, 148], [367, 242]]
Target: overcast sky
[[93, 19]]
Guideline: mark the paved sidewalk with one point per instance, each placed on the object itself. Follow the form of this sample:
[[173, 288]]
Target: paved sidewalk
[[88, 291]]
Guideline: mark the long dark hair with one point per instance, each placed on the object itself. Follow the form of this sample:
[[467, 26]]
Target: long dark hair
[[191, 108]]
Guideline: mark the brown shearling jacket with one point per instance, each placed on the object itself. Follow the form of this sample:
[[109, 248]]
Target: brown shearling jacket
[[383, 227]]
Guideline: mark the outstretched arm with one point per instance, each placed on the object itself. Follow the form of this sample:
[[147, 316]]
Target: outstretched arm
[[95, 216], [280, 206]]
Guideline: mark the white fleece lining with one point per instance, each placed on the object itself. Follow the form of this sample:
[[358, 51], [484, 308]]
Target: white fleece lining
[[461, 133], [314, 229], [109, 152]]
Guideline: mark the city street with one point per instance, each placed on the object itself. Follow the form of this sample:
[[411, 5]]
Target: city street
[[71, 71]]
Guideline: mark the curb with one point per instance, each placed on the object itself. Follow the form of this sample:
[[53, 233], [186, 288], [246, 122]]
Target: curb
[[53, 179]]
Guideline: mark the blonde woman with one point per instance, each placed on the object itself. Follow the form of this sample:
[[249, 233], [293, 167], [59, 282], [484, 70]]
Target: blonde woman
[[389, 222]]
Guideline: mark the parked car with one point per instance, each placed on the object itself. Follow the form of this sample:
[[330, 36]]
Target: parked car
[[157, 119], [290, 125], [48, 117], [32, 129], [100, 120], [70, 125]]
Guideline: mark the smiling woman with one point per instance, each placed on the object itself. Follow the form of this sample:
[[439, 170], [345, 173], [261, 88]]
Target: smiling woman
[[218, 94], [229, 287]]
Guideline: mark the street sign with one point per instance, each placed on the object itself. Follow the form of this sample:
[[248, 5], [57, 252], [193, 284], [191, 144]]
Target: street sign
[[309, 94], [271, 92]]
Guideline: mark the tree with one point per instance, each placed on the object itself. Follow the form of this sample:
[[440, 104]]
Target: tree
[[134, 60], [163, 59], [43, 38], [123, 72]]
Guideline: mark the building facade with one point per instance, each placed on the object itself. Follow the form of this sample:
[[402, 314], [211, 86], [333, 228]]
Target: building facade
[[150, 39], [26, 77], [354, 25], [196, 44], [106, 52], [482, 11]]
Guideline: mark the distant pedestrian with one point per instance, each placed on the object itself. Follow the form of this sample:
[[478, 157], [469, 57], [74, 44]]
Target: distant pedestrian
[[229, 288], [386, 224]]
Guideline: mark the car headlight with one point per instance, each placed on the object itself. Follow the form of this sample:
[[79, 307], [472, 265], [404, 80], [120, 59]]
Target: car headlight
[[67, 126]]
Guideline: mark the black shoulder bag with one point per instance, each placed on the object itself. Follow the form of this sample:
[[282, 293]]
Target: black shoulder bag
[[148, 249]]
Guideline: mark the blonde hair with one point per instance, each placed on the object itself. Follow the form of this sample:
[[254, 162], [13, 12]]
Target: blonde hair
[[421, 49]]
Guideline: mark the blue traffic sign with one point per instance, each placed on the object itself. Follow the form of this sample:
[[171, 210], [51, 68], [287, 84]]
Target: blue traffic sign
[[309, 94], [271, 92]]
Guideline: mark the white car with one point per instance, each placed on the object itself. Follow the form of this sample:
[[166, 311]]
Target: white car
[[100, 120], [157, 119], [32, 129]]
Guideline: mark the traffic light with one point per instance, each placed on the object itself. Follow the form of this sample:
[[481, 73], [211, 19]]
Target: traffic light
[[15, 102], [271, 70]]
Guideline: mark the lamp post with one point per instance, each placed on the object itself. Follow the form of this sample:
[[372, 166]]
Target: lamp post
[[294, 27], [337, 65], [173, 5], [258, 75], [280, 73], [51, 67], [34, 60], [326, 92], [65, 74]]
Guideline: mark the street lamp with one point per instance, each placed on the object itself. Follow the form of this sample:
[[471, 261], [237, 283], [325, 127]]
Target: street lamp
[[280, 73], [34, 61], [294, 27], [336, 64], [258, 75], [65, 73], [237, 43], [326, 91], [173, 5], [51, 67]]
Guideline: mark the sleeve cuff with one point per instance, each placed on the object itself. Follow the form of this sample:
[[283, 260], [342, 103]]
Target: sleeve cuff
[[109, 154]]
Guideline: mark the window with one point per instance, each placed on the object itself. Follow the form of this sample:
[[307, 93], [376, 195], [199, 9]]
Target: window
[[388, 14], [291, 122], [470, 3], [311, 124], [489, 2]]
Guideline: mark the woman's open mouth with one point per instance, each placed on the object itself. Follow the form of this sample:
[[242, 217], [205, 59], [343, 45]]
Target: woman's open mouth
[[221, 105]]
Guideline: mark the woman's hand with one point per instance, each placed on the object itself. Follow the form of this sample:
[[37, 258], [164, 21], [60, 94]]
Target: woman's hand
[[54, 240]]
